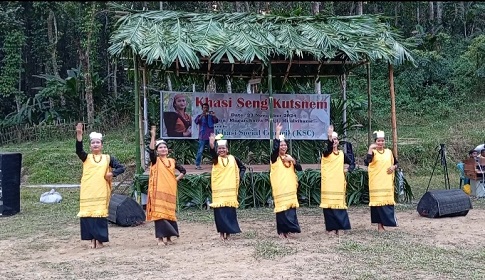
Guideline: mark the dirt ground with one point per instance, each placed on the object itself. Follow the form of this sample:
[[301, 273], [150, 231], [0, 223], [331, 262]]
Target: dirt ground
[[257, 253]]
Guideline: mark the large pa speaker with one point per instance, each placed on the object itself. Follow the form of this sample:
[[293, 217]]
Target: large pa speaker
[[444, 203], [10, 167], [124, 211]]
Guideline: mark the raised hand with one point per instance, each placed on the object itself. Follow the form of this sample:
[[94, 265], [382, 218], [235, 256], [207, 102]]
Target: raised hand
[[79, 128], [153, 130], [330, 131], [278, 129]]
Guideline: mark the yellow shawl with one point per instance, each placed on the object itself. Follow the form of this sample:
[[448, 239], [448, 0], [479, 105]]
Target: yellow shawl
[[284, 184], [95, 191], [333, 182], [225, 183], [381, 184], [162, 191]]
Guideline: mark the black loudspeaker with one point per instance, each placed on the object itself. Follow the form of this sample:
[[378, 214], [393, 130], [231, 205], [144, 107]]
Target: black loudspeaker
[[444, 203], [125, 211], [10, 167]]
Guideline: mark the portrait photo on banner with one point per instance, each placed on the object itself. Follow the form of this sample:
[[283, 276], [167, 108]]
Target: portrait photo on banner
[[176, 118]]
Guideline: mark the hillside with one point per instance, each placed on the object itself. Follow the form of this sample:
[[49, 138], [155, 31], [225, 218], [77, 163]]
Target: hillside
[[52, 162]]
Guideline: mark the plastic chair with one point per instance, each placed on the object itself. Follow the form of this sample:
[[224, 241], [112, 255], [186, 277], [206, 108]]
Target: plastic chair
[[463, 179]]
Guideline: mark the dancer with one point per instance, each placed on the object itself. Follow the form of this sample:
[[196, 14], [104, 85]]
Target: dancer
[[284, 185], [382, 164], [333, 185], [227, 172], [95, 190], [162, 191]]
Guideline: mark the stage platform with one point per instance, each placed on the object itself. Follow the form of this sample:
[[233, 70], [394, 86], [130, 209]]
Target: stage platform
[[256, 168]]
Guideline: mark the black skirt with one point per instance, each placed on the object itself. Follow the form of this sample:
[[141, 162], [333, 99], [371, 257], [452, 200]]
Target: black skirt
[[166, 228], [94, 228], [336, 219], [226, 220], [287, 222], [383, 215]]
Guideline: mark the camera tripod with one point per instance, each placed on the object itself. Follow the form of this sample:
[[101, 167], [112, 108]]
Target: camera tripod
[[441, 157]]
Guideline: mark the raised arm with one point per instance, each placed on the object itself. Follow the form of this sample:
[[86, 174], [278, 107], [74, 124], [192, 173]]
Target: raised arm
[[329, 142], [153, 155], [276, 143], [79, 143], [370, 154], [212, 150]]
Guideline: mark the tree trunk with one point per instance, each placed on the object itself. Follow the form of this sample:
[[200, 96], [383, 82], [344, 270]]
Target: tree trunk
[[115, 80], [246, 3], [396, 14], [462, 16], [52, 36], [431, 11], [360, 8], [315, 8], [86, 64], [352, 8], [418, 14], [238, 6], [439, 13]]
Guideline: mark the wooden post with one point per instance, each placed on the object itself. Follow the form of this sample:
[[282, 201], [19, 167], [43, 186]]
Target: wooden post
[[369, 107], [270, 99], [344, 113], [393, 110], [137, 126]]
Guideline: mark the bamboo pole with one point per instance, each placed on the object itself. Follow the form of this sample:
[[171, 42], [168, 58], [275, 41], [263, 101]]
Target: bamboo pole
[[270, 91], [393, 110], [369, 106], [344, 113], [138, 170]]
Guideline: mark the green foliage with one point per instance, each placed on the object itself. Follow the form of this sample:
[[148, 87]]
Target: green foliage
[[255, 189], [11, 68]]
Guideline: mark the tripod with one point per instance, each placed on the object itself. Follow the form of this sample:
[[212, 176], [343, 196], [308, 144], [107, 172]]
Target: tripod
[[441, 156]]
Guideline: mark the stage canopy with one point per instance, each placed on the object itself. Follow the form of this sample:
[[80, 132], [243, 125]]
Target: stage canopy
[[255, 45]]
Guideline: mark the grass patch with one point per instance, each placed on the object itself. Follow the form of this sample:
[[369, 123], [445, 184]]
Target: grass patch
[[38, 218], [268, 249], [402, 252]]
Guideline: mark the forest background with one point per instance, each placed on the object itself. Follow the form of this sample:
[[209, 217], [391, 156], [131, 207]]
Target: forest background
[[55, 69]]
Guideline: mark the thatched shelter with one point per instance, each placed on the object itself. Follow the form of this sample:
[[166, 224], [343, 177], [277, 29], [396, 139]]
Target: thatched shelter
[[255, 45]]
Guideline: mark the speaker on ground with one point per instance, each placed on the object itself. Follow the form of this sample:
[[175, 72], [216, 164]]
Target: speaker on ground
[[125, 211], [10, 168], [444, 203]]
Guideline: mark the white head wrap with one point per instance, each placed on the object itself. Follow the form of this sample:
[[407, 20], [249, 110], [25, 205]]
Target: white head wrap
[[281, 137], [221, 142], [95, 135], [378, 134], [158, 142], [334, 134]]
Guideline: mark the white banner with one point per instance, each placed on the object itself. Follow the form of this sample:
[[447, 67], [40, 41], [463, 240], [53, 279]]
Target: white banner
[[246, 116]]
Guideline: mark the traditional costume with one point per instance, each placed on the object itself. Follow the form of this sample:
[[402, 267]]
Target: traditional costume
[[162, 194], [381, 185], [225, 178], [284, 185], [333, 187], [95, 191]]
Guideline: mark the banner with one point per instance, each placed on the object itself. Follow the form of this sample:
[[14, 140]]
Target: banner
[[245, 116]]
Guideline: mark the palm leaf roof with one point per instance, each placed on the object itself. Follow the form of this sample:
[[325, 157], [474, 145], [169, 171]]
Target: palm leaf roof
[[195, 41]]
